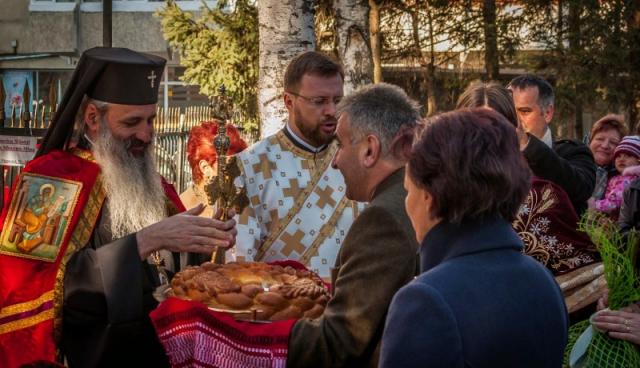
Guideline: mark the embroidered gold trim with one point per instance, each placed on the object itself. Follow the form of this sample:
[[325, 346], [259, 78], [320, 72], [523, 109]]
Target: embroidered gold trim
[[536, 206], [26, 322], [326, 230], [288, 145], [84, 154], [79, 238], [301, 199], [355, 209], [26, 306]]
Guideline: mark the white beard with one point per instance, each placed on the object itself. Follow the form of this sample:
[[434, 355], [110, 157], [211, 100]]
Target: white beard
[[135, 196]]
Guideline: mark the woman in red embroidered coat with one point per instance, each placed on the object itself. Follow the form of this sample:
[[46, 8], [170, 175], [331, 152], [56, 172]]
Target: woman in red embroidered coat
[[547, 221]]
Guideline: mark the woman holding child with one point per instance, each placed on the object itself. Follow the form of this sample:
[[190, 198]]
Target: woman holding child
[[605, 136]]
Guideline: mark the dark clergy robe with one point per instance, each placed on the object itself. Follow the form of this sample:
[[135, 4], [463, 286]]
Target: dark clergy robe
[[107, 299]]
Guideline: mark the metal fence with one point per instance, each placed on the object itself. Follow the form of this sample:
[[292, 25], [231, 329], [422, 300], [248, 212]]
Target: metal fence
[[172, 128]]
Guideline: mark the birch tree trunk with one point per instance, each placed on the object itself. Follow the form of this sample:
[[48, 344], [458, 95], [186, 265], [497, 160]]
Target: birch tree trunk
[[286, 29], [353, 42], [376, 40]]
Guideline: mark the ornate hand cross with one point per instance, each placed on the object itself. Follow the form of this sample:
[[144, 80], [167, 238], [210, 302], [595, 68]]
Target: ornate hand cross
[[221, 191]]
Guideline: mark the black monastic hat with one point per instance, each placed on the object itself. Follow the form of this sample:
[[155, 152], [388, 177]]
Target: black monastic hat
[[114, 75]]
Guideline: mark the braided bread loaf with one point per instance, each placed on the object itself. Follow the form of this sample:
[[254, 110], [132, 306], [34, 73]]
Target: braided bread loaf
[[272, 292]]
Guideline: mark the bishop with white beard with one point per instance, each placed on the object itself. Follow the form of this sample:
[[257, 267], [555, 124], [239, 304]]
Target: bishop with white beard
[[83, 291]]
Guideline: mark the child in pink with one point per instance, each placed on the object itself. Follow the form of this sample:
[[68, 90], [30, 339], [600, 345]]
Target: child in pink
[[626, 158]]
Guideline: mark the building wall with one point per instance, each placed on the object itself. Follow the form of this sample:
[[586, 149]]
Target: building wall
[[51, 36], [72, 31], [139, 31], [48, 32], [34, 32]]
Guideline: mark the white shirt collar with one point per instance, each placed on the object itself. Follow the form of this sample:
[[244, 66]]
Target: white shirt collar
[[304, 144], [547, 138]]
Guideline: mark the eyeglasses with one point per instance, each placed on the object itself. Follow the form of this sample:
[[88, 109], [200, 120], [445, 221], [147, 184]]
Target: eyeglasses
[[318, 101]]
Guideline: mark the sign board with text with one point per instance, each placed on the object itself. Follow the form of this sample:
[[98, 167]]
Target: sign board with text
[[16, 150]]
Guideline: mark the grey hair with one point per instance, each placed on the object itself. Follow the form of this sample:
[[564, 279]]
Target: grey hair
[[381, 110], [80, 127]]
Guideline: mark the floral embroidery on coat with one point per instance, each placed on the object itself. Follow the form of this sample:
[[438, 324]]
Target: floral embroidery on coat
[[548, 229]]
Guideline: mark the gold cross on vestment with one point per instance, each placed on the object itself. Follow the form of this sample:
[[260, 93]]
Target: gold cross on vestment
[[274, 220], [152, 78], [292, 242], [325, 197], [244, 216], [264, 166], [255, 200], [293, 189], [308, 165]]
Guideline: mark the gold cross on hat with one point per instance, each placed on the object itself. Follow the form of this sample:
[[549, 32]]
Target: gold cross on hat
[[152, 77]]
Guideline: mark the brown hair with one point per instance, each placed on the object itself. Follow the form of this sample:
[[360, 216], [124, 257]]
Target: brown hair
[[607, 122], [492, 95], [470, 162], [310, 62]]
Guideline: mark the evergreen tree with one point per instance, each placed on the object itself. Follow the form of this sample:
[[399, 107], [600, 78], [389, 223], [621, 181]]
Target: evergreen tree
[[218, 47], [590, 53]]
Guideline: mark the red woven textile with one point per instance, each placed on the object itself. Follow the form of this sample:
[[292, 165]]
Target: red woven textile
[[195, 336]]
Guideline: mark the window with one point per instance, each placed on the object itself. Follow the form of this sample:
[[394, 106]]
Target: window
[[141, 5], [91, 6], [179, 94], [52, 5], [42, 88]]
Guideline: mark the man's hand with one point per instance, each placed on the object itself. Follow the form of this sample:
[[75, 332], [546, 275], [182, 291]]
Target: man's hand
[[187, 232], [523, 138]]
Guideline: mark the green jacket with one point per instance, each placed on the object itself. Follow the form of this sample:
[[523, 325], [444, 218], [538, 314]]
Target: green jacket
[[378, 257]]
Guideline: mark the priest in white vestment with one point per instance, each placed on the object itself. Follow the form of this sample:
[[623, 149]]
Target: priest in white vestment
[[298, 209]]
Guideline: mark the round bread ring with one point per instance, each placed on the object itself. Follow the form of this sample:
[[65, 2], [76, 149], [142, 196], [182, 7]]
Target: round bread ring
[[290, 312], [253, 291], [235, 300], [271, 299]]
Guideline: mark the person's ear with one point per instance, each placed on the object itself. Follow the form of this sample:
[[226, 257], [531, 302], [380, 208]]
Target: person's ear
[[428, 205], [288, 101], [91, 117], [548, 114], [207, 170], [371, 150]]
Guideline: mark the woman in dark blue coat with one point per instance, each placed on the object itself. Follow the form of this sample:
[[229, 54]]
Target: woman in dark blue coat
[[478, 302]]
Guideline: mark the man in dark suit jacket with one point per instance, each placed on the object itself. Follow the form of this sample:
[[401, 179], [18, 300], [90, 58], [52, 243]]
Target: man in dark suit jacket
[[566, 163], [379, 252]]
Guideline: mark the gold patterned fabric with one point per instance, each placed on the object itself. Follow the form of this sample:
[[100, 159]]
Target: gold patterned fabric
[[298, 209]]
